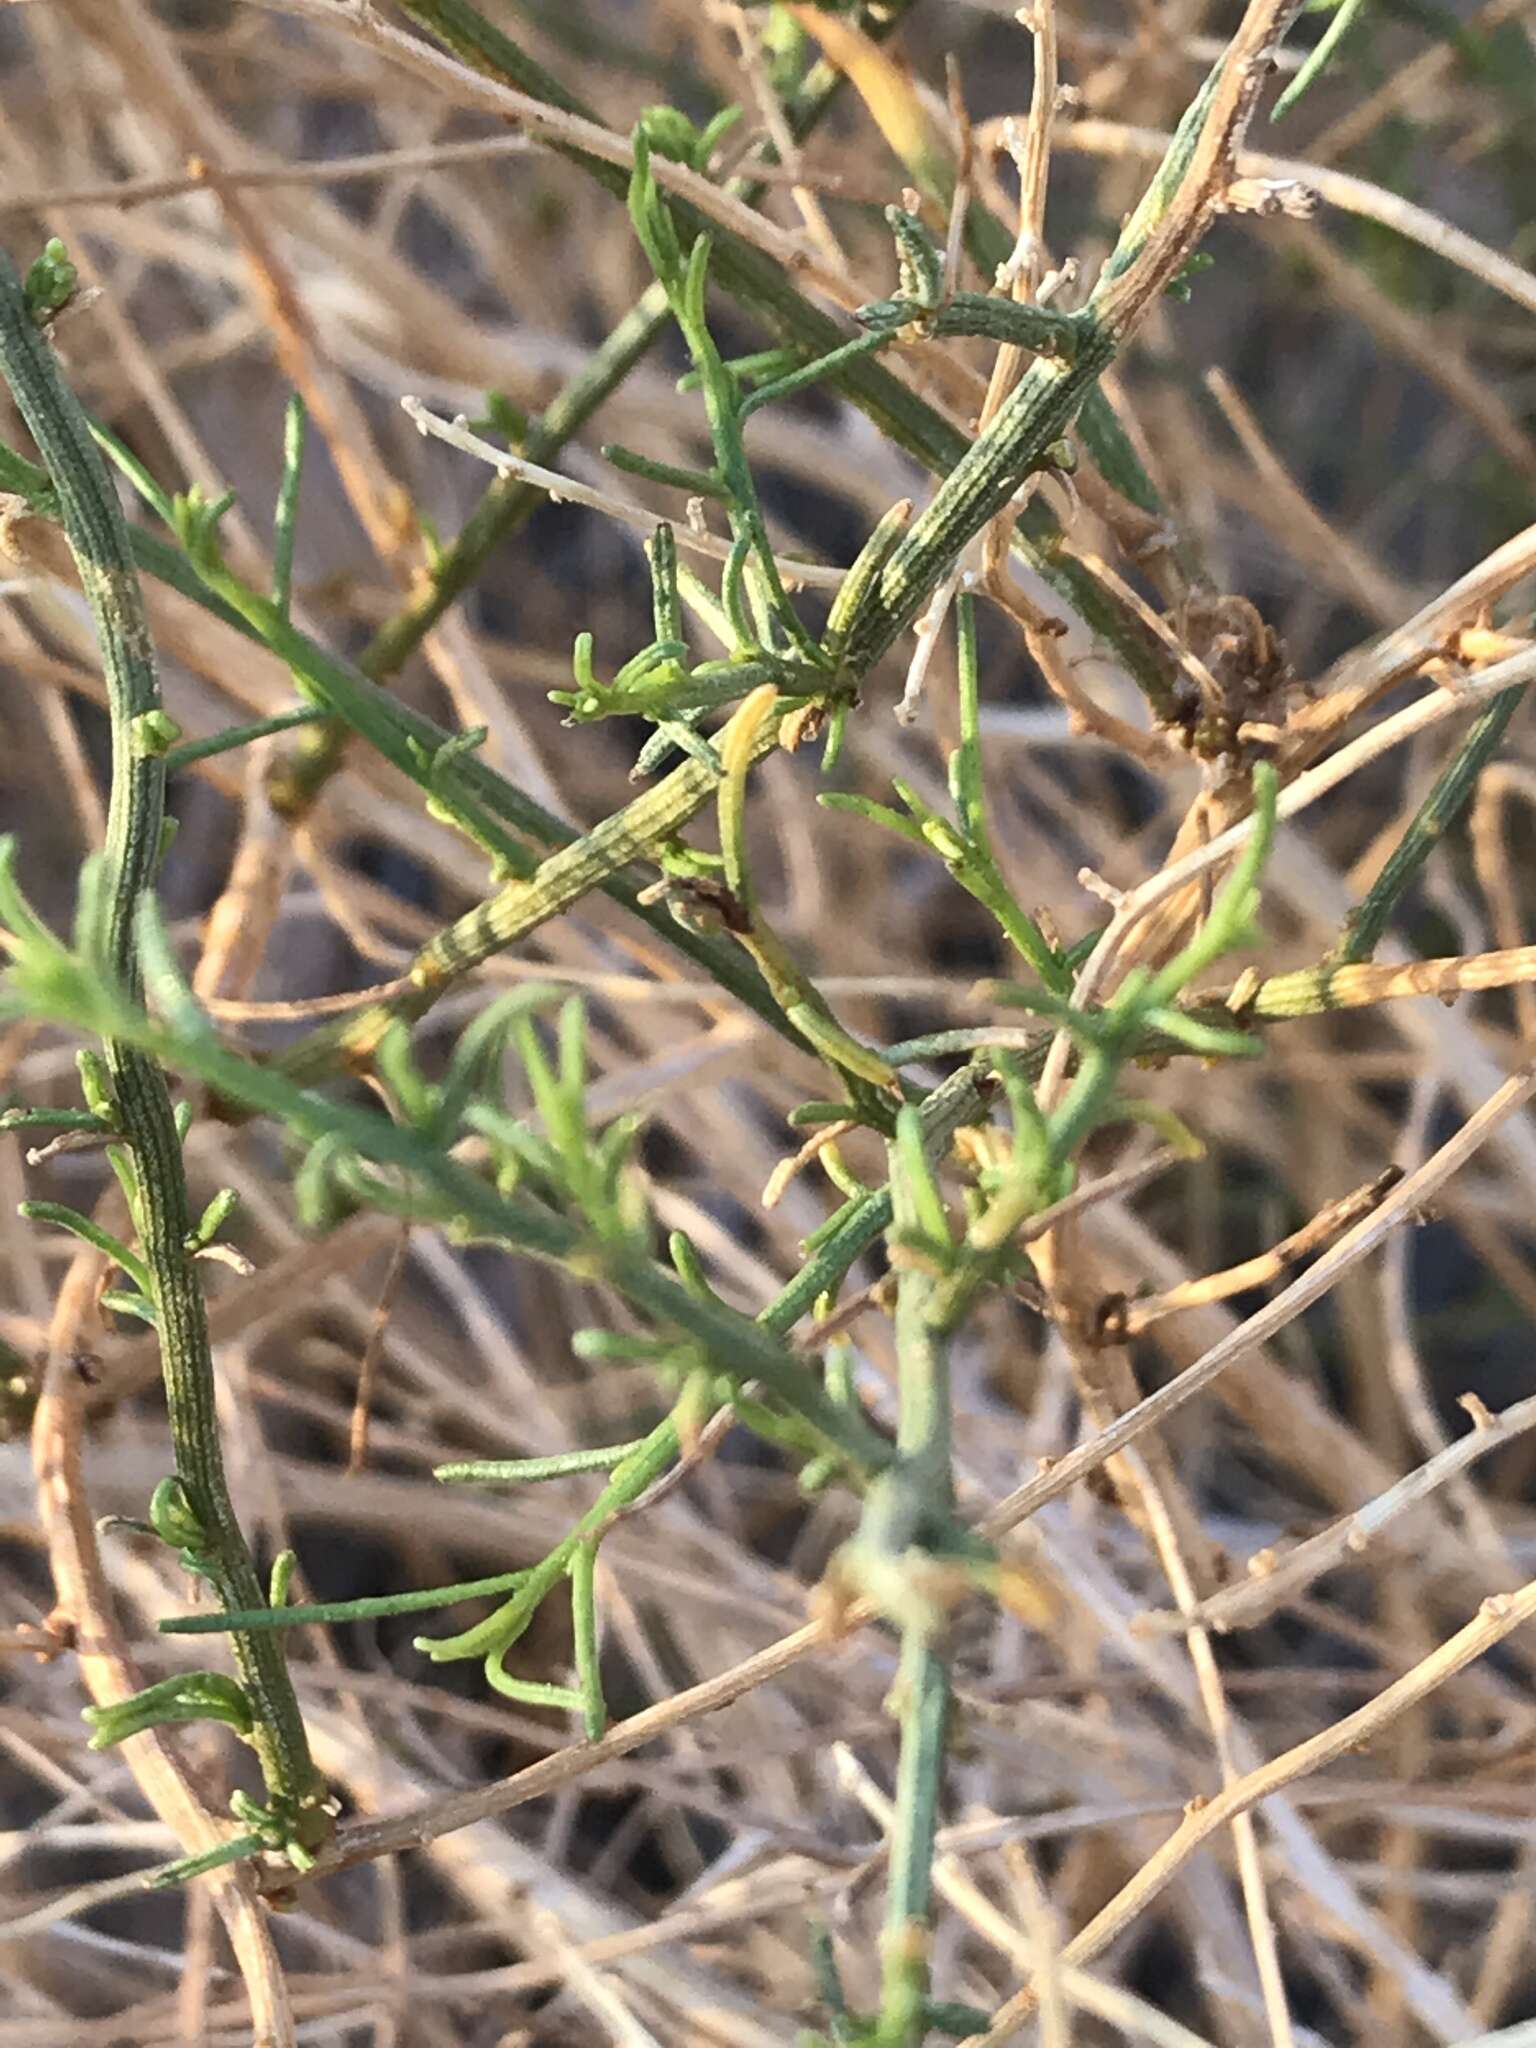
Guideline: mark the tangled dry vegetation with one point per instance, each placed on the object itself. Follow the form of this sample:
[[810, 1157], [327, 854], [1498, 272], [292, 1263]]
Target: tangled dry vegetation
[[1223, 1566]]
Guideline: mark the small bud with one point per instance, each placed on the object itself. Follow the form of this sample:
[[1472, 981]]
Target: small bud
[[50, 282], [96, 1084], [284, 1565], [154, 734], [212, 1220], [670, 133], [173, 1518]]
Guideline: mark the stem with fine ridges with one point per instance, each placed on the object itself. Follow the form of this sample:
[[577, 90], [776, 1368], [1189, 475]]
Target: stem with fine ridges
[[98, 538]]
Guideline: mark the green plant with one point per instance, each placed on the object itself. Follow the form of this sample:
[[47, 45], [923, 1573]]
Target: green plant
[[486, 1129], [130, 1104]]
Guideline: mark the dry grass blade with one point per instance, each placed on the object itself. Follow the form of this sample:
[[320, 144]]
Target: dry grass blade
[[1395, 1209], [83, 1616], [1275, 1576]]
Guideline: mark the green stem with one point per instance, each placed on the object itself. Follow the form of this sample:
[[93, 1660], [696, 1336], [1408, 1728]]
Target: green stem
[[484, 802], [923, 1714], [1452, 792], [509, 502], [441, 1190], [378, 1607], [921, 1695], [979, 487], [502, 510], [760, 283], [527, 1471], [636, 833], [98, 538], [237, 736], [639, 1466], [982, 478], [285, 520]]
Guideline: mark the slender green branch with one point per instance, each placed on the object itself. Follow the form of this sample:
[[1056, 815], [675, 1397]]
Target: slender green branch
[[526, 1471], [979, 486], [510, 501], [636, 833], [286, 517], [140, 1100], [438, 1188], [192, 751], [490, 808], [761, 285], [502, 510], [376, 1607], [921, 1696], [1345, 14], [923, 1707], [1453, 790]]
